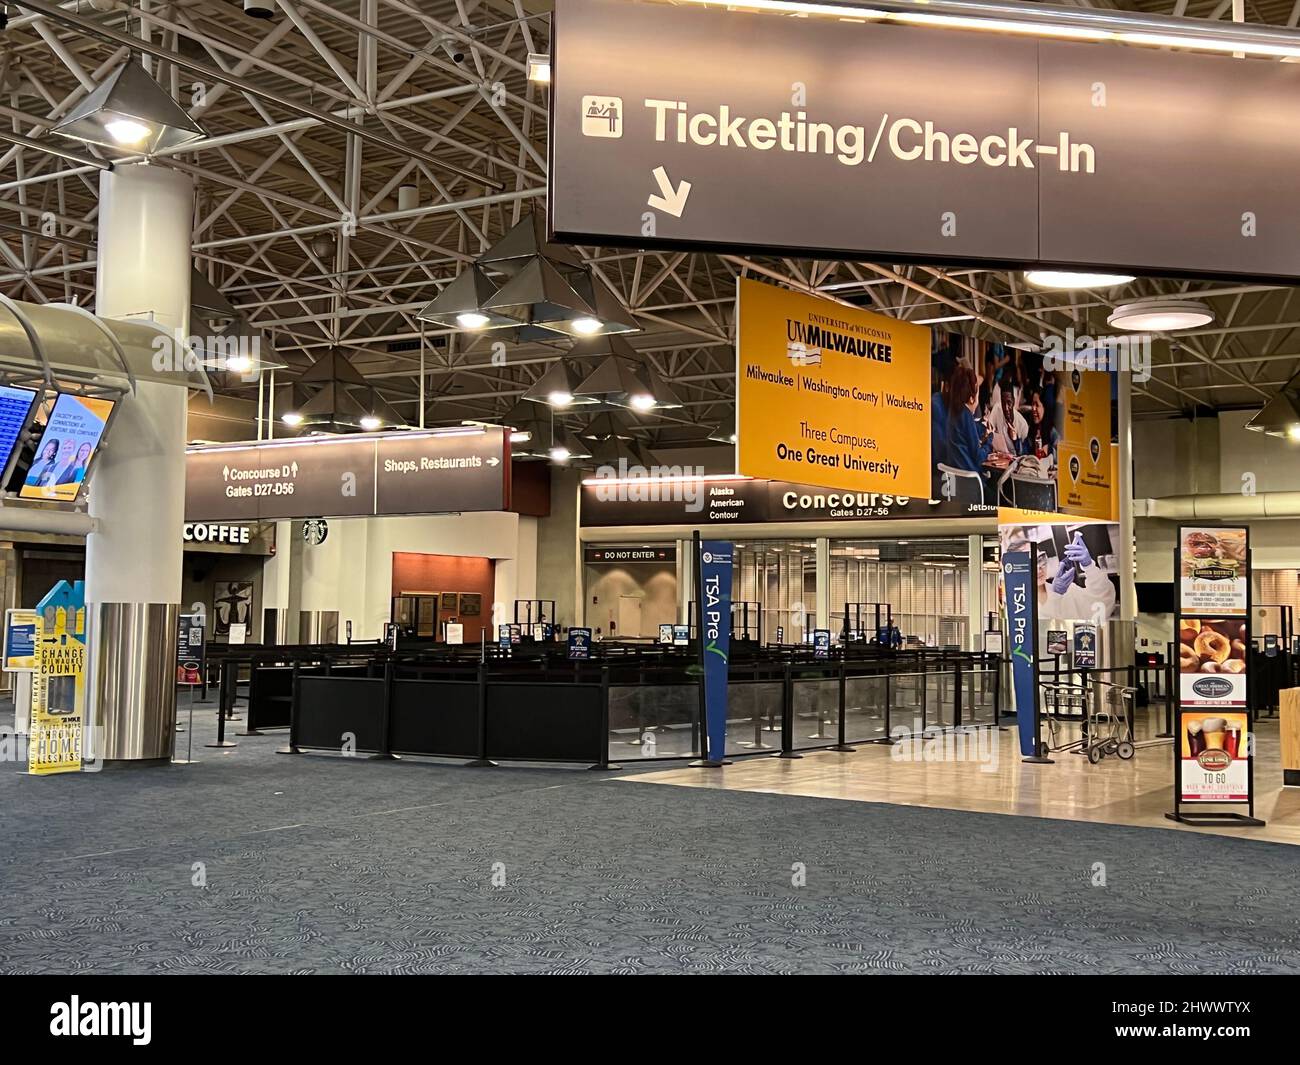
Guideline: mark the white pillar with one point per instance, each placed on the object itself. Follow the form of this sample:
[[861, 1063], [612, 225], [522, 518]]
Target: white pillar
[[822, 561], [133, 562], [975, 593]]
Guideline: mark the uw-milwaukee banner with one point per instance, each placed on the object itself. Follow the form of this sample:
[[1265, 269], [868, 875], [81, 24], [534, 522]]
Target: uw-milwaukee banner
[[830, 396]]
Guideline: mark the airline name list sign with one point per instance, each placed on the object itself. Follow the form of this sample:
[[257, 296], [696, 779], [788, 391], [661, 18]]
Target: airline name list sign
[[831, 396], [680, 126]]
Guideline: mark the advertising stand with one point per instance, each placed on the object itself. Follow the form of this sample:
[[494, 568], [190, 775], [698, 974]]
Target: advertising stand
[[1213, 761]]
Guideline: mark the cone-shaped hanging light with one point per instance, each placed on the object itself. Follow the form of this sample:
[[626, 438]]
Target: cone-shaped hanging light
[[460, 304], [129, 112]]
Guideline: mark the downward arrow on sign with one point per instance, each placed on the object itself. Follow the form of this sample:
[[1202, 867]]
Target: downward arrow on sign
[[670, 200]]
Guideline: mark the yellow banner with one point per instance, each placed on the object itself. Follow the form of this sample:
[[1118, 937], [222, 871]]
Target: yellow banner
[[58, 691], [829, 395], [1083, 472]]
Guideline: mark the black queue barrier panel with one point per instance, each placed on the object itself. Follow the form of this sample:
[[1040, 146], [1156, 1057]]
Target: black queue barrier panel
[[530, 703], [435, 717]]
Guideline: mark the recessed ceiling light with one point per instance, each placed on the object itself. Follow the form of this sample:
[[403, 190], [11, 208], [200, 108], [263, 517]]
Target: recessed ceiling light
[[1160, 315], [291, 417], [559, 399], [471, 320], [1073, 279], [587, 326], [641, 401], [370, 423]]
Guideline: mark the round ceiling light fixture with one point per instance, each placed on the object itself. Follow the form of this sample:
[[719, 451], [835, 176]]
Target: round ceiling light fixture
[[1074, 279], [1159, 315]]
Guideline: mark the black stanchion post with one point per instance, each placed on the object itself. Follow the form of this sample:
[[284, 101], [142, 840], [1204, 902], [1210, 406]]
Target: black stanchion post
[[225, 695], [840, 745], [386, 716], [482, 759], [956, 694], [604, 762], [787, 716]]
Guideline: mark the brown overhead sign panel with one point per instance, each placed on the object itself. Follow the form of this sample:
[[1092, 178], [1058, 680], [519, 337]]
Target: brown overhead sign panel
[[683, 126], [415, 473]]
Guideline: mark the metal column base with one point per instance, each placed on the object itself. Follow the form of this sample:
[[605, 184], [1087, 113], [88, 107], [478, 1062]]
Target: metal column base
[[133, 681]]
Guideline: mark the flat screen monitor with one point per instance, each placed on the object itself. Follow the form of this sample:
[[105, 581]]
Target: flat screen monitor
[[66, 448], [15, 408]]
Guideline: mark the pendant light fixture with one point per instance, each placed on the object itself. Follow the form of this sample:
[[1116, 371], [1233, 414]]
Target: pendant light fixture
[[1280, 416], [531, 288], [1160, 315], [556, 387], [129, 112], [621, 377], [460, 304]]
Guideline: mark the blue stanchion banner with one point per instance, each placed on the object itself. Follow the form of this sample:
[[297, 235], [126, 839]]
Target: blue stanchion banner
[[579, 644], [1018, 581], [715, 572]]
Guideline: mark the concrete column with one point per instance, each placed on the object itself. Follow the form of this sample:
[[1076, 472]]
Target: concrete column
[[975, 593], [133, 562]]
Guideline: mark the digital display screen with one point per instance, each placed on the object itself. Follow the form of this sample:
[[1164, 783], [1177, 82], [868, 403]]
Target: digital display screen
[[67, 446], [15, 405]]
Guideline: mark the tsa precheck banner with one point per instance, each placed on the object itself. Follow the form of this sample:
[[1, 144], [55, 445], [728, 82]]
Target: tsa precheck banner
[[829, 395], [715, 573], [1022, 625]]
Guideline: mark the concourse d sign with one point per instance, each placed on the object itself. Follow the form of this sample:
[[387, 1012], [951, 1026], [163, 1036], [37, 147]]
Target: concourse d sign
[[688, 127]]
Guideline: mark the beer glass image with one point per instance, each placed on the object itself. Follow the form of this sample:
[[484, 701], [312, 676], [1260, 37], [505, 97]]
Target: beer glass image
[[1215, 732], [1195, 738], [1232, 739]]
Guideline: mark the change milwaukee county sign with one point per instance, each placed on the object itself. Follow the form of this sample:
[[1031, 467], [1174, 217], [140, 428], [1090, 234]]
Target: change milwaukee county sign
[[680, 126], [408, 473]]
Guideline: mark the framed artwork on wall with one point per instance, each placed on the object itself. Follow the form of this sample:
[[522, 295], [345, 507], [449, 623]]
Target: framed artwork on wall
[[471, 604]]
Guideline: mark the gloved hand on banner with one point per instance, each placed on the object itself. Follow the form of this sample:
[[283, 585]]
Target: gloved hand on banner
[[1064, 577], [1076, 551]]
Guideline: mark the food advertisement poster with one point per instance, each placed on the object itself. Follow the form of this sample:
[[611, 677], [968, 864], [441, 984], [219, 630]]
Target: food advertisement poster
[[1215, 574], [1213, 756], [1212, 662]]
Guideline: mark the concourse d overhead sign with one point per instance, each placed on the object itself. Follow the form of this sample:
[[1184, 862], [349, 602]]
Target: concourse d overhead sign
[[410, 473], [679, 126]]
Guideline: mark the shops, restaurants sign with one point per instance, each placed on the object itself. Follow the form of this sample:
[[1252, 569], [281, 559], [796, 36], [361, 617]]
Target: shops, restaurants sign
[[686, 127], [406, 473]]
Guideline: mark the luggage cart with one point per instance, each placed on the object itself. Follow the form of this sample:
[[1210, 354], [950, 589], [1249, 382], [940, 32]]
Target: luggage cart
[[1110, 730], [1058, 699]]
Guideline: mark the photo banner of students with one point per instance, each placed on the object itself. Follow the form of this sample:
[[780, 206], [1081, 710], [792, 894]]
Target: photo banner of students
[[829, 395], [1020, 432]]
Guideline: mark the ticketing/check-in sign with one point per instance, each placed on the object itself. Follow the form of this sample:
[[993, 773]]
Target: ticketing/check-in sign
[[829, 395]]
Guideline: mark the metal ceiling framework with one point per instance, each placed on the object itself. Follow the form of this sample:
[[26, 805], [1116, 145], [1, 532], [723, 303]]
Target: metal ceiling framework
[[316, 117]]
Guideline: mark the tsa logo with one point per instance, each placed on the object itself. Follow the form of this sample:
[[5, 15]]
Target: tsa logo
[[708, 556], [602, 116]]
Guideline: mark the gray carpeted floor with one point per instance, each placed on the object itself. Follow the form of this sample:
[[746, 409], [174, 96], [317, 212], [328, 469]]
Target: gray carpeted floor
[[318, 864]]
